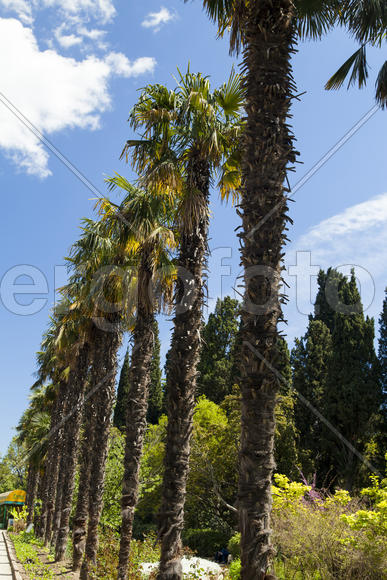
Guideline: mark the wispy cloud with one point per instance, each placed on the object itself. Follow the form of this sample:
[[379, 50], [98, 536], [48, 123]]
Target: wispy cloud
[[156, 20], [355, 237], [358, 235]]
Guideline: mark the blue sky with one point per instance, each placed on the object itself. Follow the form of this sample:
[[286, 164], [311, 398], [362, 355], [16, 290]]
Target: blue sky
[[73, 69]]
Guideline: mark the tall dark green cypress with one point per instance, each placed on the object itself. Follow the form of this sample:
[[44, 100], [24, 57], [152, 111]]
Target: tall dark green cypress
[[156, 395], [383, 348], [216, 358], [343, 385], [310, 360], [122, 395], [285, 440]]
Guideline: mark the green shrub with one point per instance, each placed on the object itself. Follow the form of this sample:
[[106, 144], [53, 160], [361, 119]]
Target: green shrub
[[235, 570], [205, 542], [140, 552], [329, 537], [234, 546]]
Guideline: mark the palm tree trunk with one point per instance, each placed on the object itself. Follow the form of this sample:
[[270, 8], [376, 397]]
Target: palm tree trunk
[[72, 433], [105, 361], [55, 483], [32, 488], [181, 374], [53, 461], [58, 504], [143, 341], [269, 45], [82, 507], [39, 494]]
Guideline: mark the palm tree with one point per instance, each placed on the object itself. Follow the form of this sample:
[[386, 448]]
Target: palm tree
[[32, 431], [151, 240], [77, 344], [101, 284], [52, 366], [186, 135], [267, 33]]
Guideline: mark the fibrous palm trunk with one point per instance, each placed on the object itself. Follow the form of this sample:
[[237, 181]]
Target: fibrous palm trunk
[[78, 378], [103, 381], [136, 412], [58, 504], [181, 373], [269, 45], [32, 488], [53, 461], [82, 507], [39, 495]]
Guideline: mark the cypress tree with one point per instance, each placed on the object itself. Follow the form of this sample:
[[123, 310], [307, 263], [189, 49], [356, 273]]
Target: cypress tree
[[122, 395], [383, 349], [156, 395], [353, 388], [216, 359], [310, 360], [285, 439]]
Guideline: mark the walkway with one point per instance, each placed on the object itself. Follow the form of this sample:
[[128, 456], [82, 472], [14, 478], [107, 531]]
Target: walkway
[[5, 566]]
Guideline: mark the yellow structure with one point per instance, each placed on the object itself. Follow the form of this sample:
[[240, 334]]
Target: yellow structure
[[8, 502]]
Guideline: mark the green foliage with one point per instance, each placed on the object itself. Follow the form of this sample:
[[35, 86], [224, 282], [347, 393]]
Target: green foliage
[[216, 359], [205, 542], [212, 470], [13, 468], [212, 481], [234, 546], [235, 569], [27, 548], [122, 395], [310, 360], [383, 350], [335, 370], [372, 523], [325, 537], [111, 512], [140, 551], [285, 442]]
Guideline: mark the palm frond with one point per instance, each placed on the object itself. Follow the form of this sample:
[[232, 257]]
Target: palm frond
[[357, 62], [316, 17], [381, 86]]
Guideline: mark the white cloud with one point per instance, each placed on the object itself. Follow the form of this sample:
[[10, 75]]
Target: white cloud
[[66, 40], [52, 91], [103, 10], [100, 9], [156, 20], [120, 65], [355, 237], [22, 8], [93, 33], [358, 235], [69, 34], [358, 218]]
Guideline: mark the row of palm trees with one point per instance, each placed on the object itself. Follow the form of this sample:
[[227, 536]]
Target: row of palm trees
[[156, 238], [140, 257]]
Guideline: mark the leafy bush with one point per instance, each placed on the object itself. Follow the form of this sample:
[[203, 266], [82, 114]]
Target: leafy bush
[[235, 570], [20, 518], [328, 537], [234, 546], [140, 552], [205, 542]]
